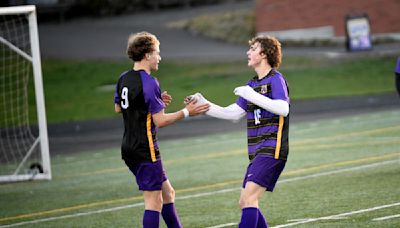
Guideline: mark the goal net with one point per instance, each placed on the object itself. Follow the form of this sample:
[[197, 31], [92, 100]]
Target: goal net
[[24, 151]]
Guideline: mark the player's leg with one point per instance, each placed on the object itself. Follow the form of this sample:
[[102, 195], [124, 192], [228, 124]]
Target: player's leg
[[248, 202], [168, 212], [152, 204], [262, 222], [149, 177], [250, 195], [262, 174]]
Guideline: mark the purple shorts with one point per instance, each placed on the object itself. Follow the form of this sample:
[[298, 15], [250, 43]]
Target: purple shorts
[[264, 171], [149, 175]]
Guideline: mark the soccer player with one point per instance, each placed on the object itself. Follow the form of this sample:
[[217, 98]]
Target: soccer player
[[138, 97], [397, 75], [265, 101]]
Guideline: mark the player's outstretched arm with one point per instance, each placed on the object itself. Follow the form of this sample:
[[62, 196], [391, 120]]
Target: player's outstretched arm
[[278, 107], [162, 119], [232, 112]]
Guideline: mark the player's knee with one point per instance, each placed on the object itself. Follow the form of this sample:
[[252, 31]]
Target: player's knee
[[247, 202], [157, 203], [169, 196], [242, 202], [158, 199], [153, 202]]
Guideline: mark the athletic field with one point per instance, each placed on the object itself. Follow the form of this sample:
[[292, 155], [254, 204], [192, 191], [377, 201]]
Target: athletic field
[[342, 172]]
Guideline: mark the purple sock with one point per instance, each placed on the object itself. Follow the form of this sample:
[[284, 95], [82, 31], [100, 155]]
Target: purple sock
[[249, 217], [262, 222], [170, 216], [151, 219]]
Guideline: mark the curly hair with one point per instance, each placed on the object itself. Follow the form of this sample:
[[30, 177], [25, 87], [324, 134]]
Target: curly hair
[[271, 47], [139, 44]]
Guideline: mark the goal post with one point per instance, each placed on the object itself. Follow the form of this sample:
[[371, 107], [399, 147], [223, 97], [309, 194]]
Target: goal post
[[24, 150]]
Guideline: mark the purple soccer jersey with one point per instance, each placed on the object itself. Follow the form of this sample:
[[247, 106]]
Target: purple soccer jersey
[[267, 132], [152, 97], [152, 93]]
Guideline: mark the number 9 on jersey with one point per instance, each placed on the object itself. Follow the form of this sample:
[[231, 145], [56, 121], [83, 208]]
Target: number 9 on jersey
[[124, 96]]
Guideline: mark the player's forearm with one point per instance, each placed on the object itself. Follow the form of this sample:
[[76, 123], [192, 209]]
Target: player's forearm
[[278, 107], [165, 119], [232, 112]]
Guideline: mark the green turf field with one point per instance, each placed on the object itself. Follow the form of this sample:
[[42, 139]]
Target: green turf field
[[341, 172]]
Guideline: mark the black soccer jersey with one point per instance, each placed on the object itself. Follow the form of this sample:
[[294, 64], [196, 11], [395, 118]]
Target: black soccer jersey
[[139, 96]]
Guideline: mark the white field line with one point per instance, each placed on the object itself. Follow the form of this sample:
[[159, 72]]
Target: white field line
[[339, 171], [198, 195], [74, 215], [350, 123], [113, 209], [386, 217], [319, 175], [330, 217], [304, 219], [224, 225], [338, 215]]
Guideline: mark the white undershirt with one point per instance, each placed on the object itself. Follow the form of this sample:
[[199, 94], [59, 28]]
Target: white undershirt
[[234, 112]]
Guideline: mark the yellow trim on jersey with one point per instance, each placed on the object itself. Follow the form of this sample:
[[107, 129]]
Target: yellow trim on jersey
[[279, 138], [150, 138]]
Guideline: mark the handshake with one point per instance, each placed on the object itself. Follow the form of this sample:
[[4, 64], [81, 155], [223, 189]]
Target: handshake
[[233, 112], [197, 98], [195, 104], [242, 91]]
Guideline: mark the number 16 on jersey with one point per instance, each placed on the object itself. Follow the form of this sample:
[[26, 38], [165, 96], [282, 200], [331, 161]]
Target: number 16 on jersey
[[257, 116]]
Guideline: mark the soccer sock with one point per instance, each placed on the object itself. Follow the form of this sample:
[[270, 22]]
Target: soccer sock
[[249, 217], [170, 216], [262, 222], [151, 219]]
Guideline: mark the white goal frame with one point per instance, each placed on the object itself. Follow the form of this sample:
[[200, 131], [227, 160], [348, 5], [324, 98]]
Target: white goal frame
[[30, 11]]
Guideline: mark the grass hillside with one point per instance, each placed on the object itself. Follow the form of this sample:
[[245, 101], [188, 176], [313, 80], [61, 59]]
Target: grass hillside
[[80, 90], [230, 26]]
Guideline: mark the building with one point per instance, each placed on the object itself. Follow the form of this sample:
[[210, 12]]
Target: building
[[299, 20]]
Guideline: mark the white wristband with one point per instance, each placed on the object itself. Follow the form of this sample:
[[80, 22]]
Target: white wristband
[[185, 112]]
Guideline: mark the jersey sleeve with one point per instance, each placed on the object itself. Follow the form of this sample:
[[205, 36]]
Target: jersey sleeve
[[152, 96], [117, 99], [279, 88], [242, 103]]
